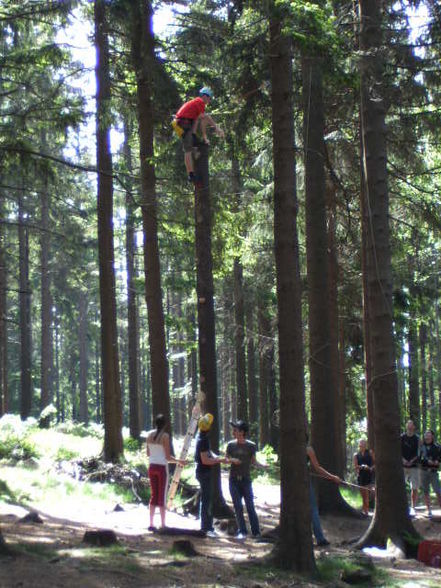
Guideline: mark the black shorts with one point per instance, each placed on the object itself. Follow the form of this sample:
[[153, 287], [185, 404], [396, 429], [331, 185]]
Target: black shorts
[[364, 478], [187, 138]]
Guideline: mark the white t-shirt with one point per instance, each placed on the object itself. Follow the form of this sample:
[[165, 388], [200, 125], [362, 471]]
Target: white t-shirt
[[156, 449]]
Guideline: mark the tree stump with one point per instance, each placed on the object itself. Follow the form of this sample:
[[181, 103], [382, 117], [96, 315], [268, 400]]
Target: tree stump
[[31, 517], [184, 547], [4, 549], [100, 538], [229, 526]]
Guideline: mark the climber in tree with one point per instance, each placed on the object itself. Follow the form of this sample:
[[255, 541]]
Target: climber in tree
[[187, 119]]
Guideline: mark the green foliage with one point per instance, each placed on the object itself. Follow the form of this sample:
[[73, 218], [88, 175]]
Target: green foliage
[[80, 429], [47, 415], [15, 444], [311, 25], [351, 496], [132, 445], [6, 494], [66, 454], [271, 475], [331, 567]]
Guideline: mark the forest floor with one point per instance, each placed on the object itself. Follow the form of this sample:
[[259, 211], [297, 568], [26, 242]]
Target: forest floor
[[52, 553]]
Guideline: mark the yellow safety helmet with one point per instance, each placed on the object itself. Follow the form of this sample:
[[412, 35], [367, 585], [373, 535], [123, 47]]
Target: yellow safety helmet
[[205, 422]]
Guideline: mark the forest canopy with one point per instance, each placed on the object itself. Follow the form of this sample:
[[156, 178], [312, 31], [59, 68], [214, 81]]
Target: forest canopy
[[305, 254]]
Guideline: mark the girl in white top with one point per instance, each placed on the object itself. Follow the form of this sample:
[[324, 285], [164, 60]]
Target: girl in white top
[[158, 451]]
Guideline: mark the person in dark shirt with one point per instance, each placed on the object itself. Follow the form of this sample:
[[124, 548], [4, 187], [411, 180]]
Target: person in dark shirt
[[205, 459], [430, 455], [242, 454], [364, 465], [410, 447]]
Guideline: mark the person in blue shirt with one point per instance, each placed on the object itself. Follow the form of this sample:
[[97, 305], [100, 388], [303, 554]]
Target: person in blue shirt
[[314, 464]]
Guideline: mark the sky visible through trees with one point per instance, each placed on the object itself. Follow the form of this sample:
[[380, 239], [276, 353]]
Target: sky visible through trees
[[330, 163]]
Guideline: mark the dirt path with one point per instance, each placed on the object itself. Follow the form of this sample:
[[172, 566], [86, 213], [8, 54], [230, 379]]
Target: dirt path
[[52, 554]]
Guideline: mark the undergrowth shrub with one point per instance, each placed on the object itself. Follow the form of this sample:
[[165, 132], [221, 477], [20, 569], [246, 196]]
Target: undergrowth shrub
[[15, 444], [80, 429]]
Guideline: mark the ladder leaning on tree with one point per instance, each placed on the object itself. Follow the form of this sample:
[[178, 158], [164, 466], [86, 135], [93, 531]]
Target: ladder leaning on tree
[[191, 429]]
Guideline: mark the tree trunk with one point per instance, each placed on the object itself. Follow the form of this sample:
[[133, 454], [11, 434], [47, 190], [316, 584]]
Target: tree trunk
[[342, 404], [391, 514], [73, 385], [3, 324], [83, 356], [132, 310], [323, 348], [423, 365], [366, 316], [239, 338], [4, 549], [98, 387], [112, 405], [251, 371], [264, 329], [294, 548], [336, 335], [414, 386], [239, 305], [206, 316], [430, 371], [57, 368], [25, 315], [46, 302], [143, 60], [273, 400], [438, 350]]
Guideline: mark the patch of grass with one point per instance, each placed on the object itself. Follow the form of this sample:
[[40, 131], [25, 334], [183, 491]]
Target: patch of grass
[[41, 489], [331, 568], [80, 429], [57, 446], [6, 494], [42, 550], [66, 454], [263, 571], [114, 557], [108, 492]]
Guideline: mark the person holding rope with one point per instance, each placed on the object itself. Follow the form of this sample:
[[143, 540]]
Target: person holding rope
[[158, 451], [186, 123], [364, 466], [242, 454], [314, 464], [205, 459]]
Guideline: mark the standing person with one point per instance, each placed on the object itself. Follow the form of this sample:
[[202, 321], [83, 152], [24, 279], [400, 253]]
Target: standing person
[[158, 451], [364, 465], [430, 454], [186, 123], [410, 447], [316, 525], [242, 454], [205, 459]]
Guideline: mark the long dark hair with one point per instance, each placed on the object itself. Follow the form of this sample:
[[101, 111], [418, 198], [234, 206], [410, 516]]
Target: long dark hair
[[160, 424]]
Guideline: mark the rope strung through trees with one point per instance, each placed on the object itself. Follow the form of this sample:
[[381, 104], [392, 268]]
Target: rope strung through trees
[[344, 483]]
